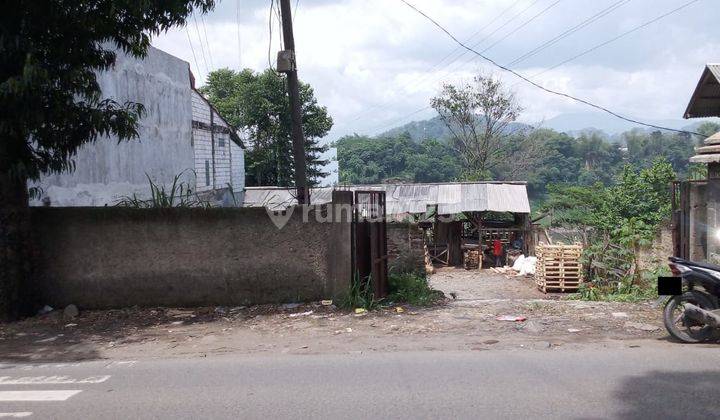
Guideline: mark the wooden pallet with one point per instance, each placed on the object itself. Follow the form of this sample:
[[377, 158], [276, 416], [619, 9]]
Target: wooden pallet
[[558, 268]]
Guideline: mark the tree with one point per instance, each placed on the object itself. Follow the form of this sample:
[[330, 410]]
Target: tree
[[478, 116], [258, 103], [366, 160], [51, 104]]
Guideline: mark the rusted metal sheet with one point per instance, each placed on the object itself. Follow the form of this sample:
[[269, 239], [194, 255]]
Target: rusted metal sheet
[[450, 198], [370, 237]]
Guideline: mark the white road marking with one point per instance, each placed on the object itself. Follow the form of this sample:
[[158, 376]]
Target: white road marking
[[38, 395], [17, 415], [38, 380]]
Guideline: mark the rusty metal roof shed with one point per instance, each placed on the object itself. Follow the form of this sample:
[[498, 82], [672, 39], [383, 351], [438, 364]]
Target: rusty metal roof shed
[[450, 198], [705, 101]]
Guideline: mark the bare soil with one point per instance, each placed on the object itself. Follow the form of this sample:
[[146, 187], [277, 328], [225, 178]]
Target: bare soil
[[467, 322]]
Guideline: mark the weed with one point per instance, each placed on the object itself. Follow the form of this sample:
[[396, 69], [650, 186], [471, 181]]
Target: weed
[[361, 295], [179, 195], [413, 289]]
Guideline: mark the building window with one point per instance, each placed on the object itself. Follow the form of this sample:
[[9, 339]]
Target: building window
[[207, 173], [221, 142]]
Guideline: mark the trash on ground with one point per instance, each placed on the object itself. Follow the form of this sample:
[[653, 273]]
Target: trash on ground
[[620, 314], [573, 330], [399, 309], [360, 311], [326, 302], [513, 318], [45, 310], [300, 314]]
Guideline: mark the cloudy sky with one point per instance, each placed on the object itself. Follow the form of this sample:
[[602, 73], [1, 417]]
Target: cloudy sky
[[376, 63]]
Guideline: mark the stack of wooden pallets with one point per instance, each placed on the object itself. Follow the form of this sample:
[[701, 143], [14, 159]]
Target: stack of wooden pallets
[[558, 268]]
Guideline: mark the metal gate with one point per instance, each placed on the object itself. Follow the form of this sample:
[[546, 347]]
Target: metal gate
[[370, 240]]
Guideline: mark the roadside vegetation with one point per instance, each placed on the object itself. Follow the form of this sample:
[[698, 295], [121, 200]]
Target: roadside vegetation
[[408, 284], [613, 223], [178, 194]]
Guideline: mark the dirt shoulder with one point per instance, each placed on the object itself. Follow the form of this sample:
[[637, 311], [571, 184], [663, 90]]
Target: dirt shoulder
[[469, 322]]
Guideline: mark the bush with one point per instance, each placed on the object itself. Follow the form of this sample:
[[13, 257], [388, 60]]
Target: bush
[[413, 289]]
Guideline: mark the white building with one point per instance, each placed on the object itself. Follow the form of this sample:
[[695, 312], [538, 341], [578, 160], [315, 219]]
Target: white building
[[175, 137]]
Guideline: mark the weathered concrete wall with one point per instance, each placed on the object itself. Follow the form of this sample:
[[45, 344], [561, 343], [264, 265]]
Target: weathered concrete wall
[[118, 257], [106, 171], [657, 253], [405, 247]]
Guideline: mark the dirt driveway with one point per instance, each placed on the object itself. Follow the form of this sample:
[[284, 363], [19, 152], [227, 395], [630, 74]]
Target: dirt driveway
[[469, 322], [485, 284]]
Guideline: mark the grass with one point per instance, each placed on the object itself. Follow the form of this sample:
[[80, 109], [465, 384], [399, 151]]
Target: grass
[[413, 289], [180, 194], [405, 288]]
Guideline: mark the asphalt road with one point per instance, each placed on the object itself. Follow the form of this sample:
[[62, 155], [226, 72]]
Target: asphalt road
[[667, 382]]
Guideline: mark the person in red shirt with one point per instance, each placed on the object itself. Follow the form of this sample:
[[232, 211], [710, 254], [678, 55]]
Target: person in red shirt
[[497, 252]]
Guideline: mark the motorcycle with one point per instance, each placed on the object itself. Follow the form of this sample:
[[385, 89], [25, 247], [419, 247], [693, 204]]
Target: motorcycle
[[692, 315]]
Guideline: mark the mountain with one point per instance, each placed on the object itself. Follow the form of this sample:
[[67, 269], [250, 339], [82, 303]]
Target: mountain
[[571, 123], [433, 128], [575, 123]]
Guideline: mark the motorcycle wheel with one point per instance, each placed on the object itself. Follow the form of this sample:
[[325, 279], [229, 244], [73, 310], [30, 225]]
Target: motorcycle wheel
[[679, 326]]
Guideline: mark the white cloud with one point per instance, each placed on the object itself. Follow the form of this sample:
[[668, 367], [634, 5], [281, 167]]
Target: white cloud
[[375, 62]]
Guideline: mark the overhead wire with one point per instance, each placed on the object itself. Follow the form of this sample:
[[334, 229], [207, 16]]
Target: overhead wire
[[239, 35], [522, 25], [423, 79], [202, 49], [207, 43], [475, 44], [270, 31], [613, 39], [197, 66], [551, 91], [569, 32]]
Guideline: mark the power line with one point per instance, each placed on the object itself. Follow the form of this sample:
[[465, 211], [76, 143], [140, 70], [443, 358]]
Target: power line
[[522, 25], [477, 43], [239, 37], [270, 31], [197, 67], [202, 49], [562, 94], [428, 76], [202, 20], [569, 32], [611, 40]]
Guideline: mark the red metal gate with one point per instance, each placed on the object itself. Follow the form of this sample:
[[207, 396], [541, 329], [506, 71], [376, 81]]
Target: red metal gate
[[370, 238]]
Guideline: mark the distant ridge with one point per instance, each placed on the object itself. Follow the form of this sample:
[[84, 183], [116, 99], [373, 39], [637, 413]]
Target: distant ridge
[[572, 123]]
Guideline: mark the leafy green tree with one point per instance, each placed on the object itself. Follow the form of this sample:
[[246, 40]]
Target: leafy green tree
[[478, 116], [615, 220], [644, 147], [259, 104], [366, 160], [51, 104]]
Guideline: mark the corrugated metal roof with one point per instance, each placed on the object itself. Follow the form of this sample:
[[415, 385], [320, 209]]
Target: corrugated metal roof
[[705, 101], [450, 198], [715, 70]]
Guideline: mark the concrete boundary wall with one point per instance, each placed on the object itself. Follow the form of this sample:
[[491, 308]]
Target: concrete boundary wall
[[118, 257]]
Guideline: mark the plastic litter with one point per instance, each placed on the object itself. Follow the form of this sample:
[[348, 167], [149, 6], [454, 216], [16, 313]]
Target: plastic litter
[[513, 318], [300, 314]]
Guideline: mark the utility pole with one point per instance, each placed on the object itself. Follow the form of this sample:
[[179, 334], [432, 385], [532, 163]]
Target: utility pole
[[288, 65]]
